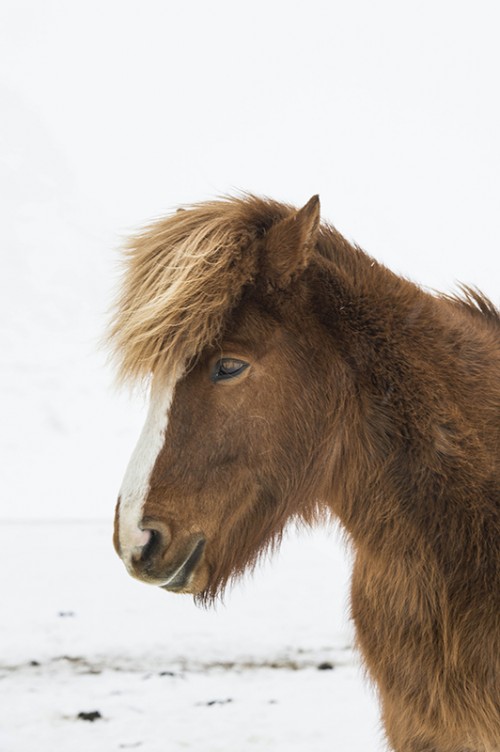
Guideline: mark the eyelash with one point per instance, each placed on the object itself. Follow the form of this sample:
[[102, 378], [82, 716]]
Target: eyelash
[[228, 368]]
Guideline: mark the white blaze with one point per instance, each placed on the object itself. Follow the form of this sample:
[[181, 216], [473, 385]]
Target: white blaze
[[136, 483]]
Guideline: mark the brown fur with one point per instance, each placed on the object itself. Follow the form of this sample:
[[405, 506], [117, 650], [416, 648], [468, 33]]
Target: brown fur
[[366, 398]]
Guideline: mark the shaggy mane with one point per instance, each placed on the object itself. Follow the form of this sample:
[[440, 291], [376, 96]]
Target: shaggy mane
[[475, 302], [182, 277]]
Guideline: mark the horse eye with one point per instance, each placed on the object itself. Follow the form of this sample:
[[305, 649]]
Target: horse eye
[[228, 368]]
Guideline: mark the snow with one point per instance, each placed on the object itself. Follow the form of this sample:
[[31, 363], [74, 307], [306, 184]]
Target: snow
[[77, 636], [110, 114]]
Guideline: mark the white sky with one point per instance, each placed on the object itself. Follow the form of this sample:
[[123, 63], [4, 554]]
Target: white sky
[[112, 112]]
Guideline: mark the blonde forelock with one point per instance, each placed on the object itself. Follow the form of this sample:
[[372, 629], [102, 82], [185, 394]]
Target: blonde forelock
[[182, 276]]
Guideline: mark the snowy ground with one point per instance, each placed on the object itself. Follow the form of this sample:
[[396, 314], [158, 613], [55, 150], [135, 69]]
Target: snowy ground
[[77, 635]]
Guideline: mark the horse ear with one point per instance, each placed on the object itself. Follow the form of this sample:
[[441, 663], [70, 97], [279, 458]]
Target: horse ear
[[290, 243]]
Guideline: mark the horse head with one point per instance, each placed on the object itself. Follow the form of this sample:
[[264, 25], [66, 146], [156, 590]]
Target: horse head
[[239, 406]]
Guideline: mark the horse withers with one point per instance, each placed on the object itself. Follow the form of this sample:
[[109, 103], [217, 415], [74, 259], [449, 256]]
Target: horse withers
[[294, 377]]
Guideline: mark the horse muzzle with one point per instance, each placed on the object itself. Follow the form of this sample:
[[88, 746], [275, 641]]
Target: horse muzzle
[[172, 563]]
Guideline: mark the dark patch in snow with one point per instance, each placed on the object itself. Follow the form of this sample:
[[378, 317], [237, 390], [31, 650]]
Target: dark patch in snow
[[92, 715], [298, 660]]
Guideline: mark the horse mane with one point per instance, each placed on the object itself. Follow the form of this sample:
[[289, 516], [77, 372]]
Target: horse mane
[[184, 274], [473, 301]]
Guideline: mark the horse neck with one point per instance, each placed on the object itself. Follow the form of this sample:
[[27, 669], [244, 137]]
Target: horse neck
[[410, 446]]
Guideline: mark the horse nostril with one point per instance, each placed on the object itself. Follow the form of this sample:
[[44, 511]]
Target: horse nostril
[[159, 537], [151, 546]]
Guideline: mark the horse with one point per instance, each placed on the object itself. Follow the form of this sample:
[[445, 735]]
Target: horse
[[293, 377]]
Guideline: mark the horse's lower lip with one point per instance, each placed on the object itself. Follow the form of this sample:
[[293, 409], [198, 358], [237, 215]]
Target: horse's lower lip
[[180, 577]]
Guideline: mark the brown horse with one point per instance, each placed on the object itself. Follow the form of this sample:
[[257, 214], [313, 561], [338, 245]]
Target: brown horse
[[294, 377]]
